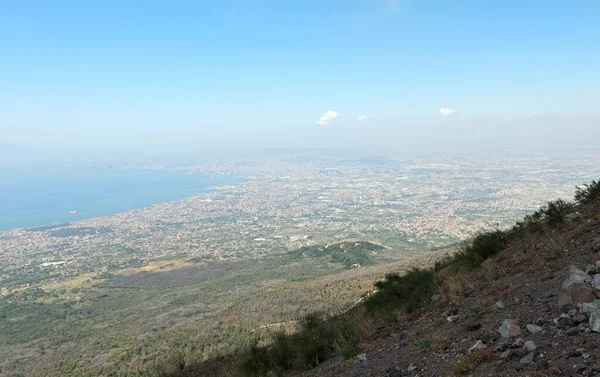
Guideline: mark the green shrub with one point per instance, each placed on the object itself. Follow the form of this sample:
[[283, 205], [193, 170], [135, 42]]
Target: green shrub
[[316, 340], [482, 247], [588, 193], [555, 211], [410, 291]]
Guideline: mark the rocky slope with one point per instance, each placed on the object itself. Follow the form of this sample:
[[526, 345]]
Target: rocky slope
[[533, 310]]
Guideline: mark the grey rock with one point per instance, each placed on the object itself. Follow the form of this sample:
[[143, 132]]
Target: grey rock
[[509, 329], [505, 354], [529, 345], [598, 265], [534, 329], [361, 357], [589, 307], [573, 287], [596, 282], [575, 275], [453, 318], [527, 359], [411, 368], [596, 244], [595, 320], [500, 304], [478, 346]]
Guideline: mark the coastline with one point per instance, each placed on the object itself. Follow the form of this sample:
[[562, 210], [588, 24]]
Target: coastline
[[30, 216]]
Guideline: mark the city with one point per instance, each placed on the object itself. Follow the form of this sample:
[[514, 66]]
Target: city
[[281, 205]]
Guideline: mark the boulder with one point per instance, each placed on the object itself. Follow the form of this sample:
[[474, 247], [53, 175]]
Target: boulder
[[575, 275], [581, 294], [534, 329], [576, 289], [500, 304], [595, 320], [509, 329], [596, 284], [589, 307]]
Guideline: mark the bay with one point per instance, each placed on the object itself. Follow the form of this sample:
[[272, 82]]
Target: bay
[[38, 196]]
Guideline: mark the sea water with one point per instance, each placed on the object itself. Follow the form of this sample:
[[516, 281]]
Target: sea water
[[39, 196]]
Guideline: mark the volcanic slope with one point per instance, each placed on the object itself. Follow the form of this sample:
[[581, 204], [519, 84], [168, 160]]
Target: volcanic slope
[[531, 310]]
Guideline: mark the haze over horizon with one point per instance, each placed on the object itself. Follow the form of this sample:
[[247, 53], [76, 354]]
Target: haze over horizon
[[153, 79]]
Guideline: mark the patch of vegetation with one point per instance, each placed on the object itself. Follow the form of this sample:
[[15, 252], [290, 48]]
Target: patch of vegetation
[[430, 342], [470, 362], [482, 247], [348, 254], [316, 340], [588, 192], [410, 291]]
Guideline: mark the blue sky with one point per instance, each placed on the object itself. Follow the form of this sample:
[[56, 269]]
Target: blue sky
[[102, 74]]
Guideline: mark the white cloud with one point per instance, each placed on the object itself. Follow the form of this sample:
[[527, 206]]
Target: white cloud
[[447, 111], [533, 115], [326, 118], [362, 117]]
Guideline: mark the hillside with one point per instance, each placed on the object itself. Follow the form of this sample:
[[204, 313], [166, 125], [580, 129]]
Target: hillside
[[522, 301], [538, 284]]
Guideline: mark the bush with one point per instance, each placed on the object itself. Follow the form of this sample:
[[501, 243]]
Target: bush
[[482, 247], [410, 291], [588, 193], [554, 211], [316, 340]]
